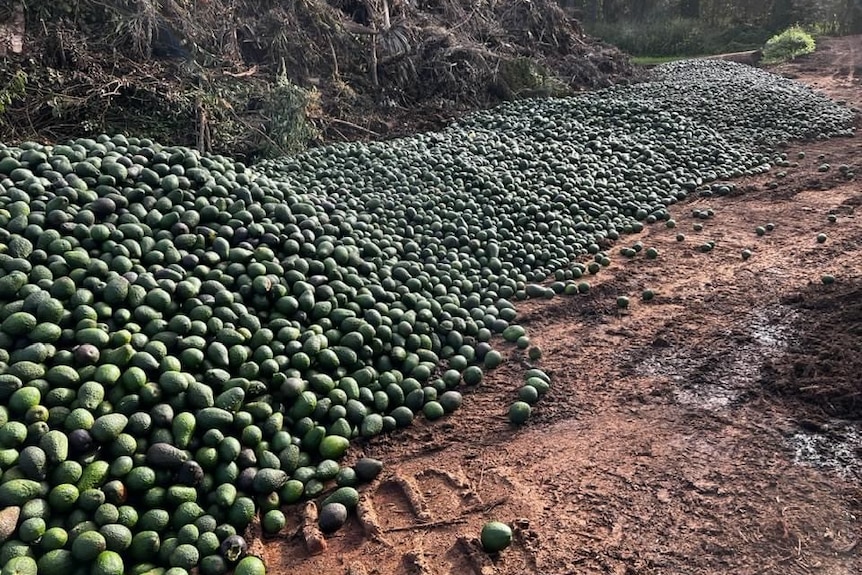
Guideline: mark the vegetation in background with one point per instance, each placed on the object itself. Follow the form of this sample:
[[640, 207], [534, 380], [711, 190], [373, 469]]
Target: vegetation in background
[[655, 60], [678, 36], [788, 45], [696, 27]]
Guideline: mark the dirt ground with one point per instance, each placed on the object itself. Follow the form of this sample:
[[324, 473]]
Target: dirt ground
[[714, 429]]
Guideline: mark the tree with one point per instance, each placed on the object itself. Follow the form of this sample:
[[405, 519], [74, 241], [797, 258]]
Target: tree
[[853, 19], [612, 10], [782, 14], [640, 9], [586, 10], [689, 8]]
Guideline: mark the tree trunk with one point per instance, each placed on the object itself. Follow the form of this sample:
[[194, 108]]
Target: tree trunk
[[611, 10], [641, 9], [12, 31], [593, 10], [853, 21], [373, 65], [781, 15], [386, 22], [689, 9]]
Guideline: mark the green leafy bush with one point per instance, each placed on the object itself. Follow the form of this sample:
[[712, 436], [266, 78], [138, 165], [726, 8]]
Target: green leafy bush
[[13, 90], [788, 45]]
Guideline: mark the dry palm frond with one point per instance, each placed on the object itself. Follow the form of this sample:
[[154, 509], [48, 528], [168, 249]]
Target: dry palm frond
[[395, 42], [135, 27]]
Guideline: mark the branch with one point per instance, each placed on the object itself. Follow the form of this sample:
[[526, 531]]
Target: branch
[[354, 126]]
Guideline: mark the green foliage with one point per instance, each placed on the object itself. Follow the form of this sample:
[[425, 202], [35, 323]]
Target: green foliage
[[739, 38], [691, 27], [651, 38], [837, 16], [677, 37], [523, 77], [260, 117], [287, 109], [13, 90], [655, 60], [791, 43]]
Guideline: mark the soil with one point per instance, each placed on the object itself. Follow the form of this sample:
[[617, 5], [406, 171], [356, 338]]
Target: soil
[[713, 429]]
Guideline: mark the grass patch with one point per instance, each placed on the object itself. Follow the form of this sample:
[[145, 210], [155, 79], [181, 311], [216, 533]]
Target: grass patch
[[656, 60]]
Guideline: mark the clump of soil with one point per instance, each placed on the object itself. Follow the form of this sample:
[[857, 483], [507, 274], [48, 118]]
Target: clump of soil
[[822, 368], [260, 78]]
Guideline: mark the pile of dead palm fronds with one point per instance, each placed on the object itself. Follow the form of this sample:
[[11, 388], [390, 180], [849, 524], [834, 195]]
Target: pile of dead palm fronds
[[220, 74]]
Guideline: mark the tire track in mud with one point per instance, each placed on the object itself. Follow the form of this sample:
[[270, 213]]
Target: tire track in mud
[[423, 518]]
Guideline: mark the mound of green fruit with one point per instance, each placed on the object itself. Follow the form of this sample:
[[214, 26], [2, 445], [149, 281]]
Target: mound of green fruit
[[186, 342]]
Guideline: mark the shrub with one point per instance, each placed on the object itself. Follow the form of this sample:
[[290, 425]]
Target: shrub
[[787, 45], [13, 90]]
